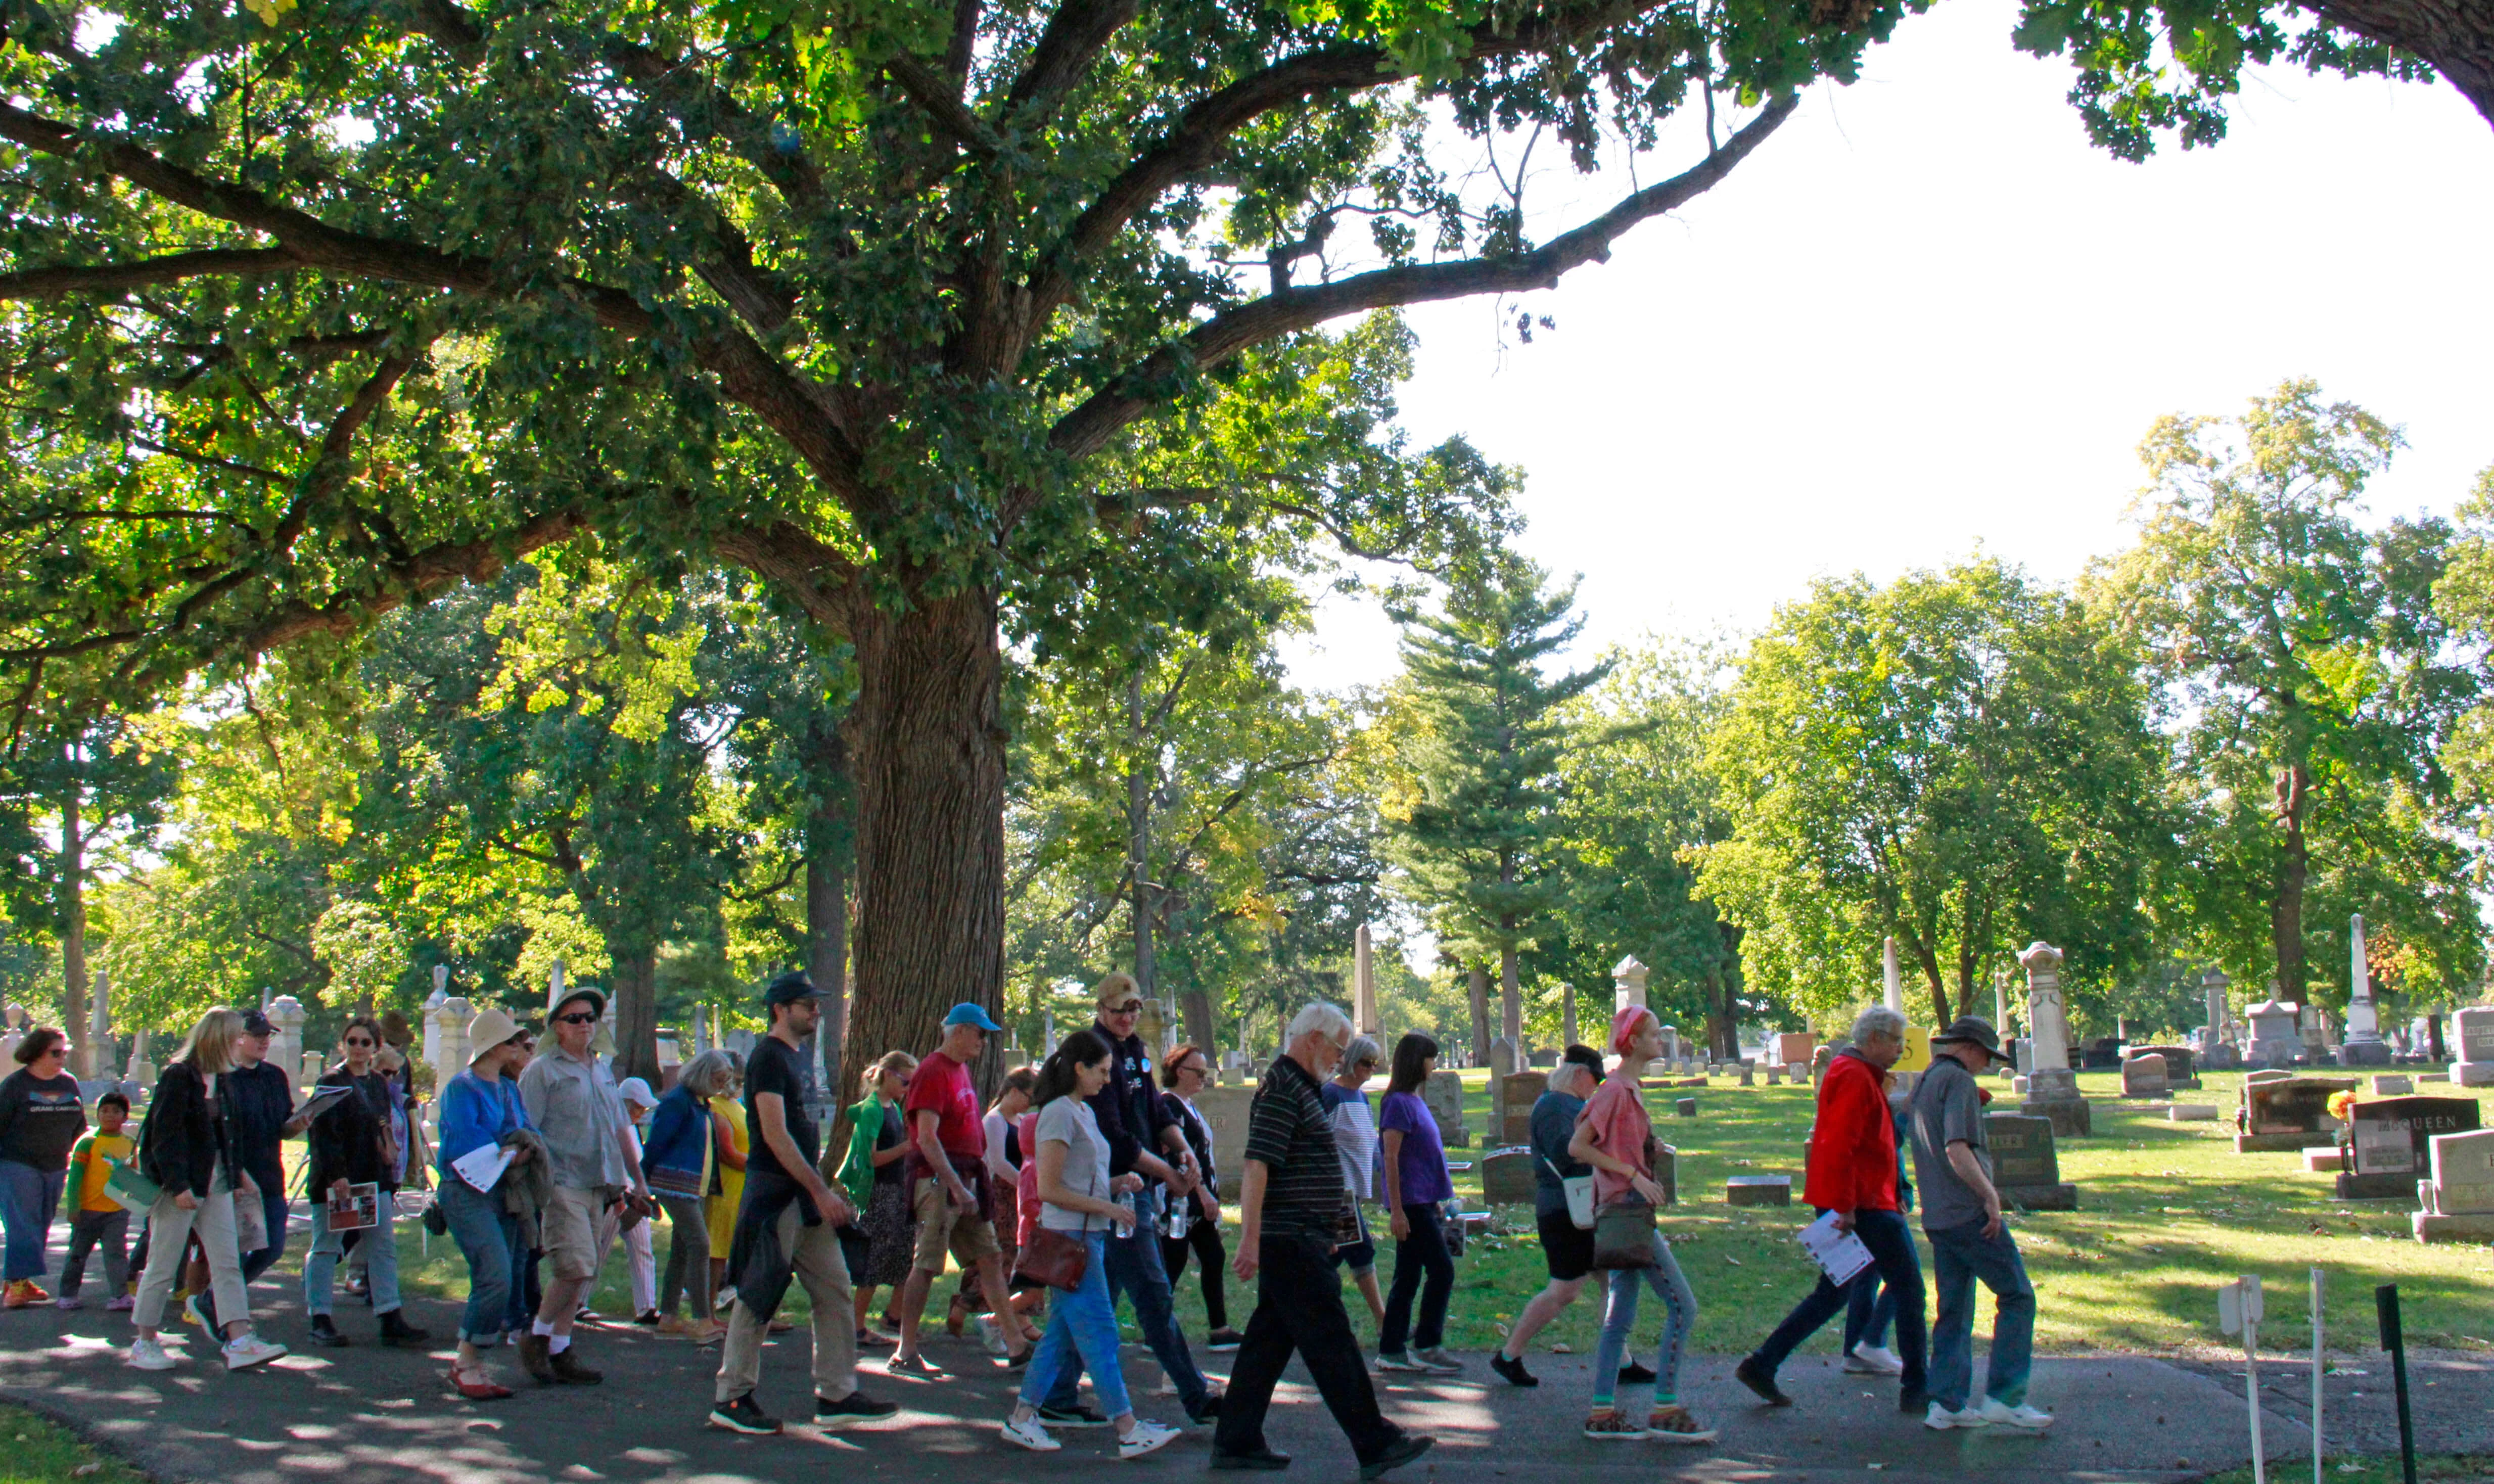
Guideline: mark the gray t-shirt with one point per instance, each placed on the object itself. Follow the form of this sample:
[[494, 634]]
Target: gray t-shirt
[[1070, 1121], [1947, 1109]]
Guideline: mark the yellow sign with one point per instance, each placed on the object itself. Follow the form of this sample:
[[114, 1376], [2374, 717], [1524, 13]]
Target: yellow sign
[[1918, 1051]]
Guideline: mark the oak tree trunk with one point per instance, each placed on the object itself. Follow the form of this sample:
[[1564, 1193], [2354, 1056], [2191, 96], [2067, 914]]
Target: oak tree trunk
[[1139, 843], [636, 1013], [72, 915], [1476, 979], [928, 746], [1195, 1012], [2456, 36]]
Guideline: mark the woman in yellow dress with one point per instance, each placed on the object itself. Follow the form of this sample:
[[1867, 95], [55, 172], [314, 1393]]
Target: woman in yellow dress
[[727, 1171]]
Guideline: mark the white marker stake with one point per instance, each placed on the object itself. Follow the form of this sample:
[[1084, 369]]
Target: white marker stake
[[2239, 1310], [2319, 1340]]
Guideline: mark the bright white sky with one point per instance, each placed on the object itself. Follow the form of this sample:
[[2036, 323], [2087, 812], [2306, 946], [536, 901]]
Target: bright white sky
[[1928, 318]]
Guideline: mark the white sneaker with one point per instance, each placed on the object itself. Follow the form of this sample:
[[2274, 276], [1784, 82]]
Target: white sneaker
[[1030, 1434], [1874, 1360], [2019, 1417], [991, 1335], [248, 1350], [1941, 1419], [147, 1354], [1398, 1361], [1147, 1438]]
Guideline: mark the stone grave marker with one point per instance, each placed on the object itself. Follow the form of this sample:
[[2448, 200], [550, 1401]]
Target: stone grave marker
[[2389, 1143], [1506, 1177], [2192, 1112], [2393, 1084], [1444, 1095], [2025, 1165], [1775, 1075], [2458, 1200], [1758, 1190], [2143, 1077], [2181, 1065], [2288, 1113], [1686, 1107], [1545, 1057], [1511, 1119], [1794, 1048], [2474, 1028]]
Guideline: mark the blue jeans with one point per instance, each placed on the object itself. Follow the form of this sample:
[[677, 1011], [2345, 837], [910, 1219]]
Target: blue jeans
[[1891, 1250], [486, 1235], [381, 1256], [1084, 1322], [29, 1199], [1679, 1317], [1134, 1268], [272, 1205], [1421, 1255], [1961, 1254], [1871, 1306]]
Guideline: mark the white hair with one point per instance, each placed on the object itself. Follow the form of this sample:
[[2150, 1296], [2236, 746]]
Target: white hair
[[1879, 1021], [1362, 1049], [1318, 1017]]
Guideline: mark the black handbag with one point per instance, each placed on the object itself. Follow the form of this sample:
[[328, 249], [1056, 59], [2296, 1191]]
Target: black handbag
[[1624, 1233]]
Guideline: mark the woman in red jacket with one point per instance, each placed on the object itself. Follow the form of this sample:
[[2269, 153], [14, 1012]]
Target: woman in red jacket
[[1853, 1173]]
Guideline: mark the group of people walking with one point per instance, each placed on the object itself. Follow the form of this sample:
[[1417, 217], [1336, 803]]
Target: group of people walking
[[1091, 1177]]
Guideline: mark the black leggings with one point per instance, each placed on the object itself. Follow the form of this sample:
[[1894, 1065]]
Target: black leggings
[[1420, 1256], [1204, 1239]]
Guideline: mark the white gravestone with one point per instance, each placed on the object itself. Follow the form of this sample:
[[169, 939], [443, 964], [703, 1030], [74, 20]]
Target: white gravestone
[[2473, 1036], [286, 1016], [2052, 1087], [1627, 980]]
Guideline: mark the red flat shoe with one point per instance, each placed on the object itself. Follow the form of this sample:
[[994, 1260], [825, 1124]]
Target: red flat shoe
[[478, 1390]]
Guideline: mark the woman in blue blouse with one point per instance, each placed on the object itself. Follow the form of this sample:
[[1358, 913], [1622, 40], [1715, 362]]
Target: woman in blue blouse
[[481, 1107]]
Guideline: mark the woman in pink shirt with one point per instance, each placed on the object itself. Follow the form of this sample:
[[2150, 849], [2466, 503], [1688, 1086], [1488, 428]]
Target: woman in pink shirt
[[1615, 1137]]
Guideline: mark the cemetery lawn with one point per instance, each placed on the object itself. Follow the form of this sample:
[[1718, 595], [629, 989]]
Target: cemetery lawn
[[2167, 1212], [43, 1452]]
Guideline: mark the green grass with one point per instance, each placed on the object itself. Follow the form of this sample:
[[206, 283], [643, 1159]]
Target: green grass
[[2168, 1213], [43, 1452]]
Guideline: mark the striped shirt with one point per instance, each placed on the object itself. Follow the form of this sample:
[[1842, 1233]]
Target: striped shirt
[[1291, 1133]]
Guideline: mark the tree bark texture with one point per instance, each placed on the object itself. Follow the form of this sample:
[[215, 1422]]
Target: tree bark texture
[[1139, 840], [2293, 868], [1723, 1017], [1510, 1000], [1476, 979], [928, 745], [73, 910], [827, 948], [636, 1013], [2456, 36], [1195, 1012]]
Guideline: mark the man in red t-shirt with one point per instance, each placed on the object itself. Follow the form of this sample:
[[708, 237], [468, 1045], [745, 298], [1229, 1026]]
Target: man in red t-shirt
[[1853, 1173], [947, 1177]]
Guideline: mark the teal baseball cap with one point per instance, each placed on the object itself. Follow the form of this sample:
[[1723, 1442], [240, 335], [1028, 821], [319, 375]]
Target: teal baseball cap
[[967, 1013]]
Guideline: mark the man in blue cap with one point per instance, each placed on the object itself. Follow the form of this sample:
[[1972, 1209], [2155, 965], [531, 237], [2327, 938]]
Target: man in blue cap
[[946, 1176]]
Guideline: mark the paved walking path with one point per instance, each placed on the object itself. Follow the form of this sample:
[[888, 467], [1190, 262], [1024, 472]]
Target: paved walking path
[[367, 1416]]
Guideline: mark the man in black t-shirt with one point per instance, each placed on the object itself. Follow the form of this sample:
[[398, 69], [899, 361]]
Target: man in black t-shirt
[[787, 1228]]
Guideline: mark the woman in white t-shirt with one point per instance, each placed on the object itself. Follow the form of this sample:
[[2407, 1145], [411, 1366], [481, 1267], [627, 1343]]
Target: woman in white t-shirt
[[1077, 1199]]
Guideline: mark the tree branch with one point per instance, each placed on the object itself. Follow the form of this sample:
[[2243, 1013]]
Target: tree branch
[[122, 277], [940, 100], [1087, 428], [746, 373], [1074, 35]]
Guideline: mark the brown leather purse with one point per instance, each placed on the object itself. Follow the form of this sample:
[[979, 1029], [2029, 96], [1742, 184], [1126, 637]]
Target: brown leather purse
[[1055, 1258]]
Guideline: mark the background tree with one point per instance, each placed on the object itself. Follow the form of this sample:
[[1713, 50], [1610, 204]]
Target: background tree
[[1960, 760], [2308, 655], [1475, 831]]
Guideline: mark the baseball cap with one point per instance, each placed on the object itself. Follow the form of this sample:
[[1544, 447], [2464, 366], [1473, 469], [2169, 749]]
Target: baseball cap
[[968, 1014], [635, 1093], [255, 1023], [790, 987]]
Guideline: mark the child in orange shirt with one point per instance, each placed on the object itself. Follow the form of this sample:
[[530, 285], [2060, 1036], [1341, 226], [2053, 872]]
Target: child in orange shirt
[[98, 1223]]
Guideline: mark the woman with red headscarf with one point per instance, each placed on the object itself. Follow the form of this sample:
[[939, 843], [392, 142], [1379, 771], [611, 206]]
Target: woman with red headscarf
[[1615, 1137]]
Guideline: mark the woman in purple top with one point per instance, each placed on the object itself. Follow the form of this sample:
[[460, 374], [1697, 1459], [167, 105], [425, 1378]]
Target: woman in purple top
[[1416, 1181]]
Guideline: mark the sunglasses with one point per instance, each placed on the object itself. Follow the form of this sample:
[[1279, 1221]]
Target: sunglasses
[[576, 1017], [361, 1040], [1130, 1007]]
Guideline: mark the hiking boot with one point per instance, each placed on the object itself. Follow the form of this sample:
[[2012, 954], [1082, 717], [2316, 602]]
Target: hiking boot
[[567, 1369], [396, 1330], [324, 1332], [535, 1358]]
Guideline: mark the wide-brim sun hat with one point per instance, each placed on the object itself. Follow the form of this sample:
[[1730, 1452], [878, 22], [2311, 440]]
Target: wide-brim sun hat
[[1972, 1030], [488, 1029]]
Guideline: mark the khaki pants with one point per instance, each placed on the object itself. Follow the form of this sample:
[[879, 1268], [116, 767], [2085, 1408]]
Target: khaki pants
[[825, 1274], [168, 1231]]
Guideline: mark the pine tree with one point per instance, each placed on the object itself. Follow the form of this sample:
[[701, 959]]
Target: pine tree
[[1474, 832]]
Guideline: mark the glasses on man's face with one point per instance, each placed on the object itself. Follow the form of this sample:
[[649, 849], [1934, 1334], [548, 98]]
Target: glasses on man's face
[[576, 1017], [361, 1040], [1130, 1007]]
